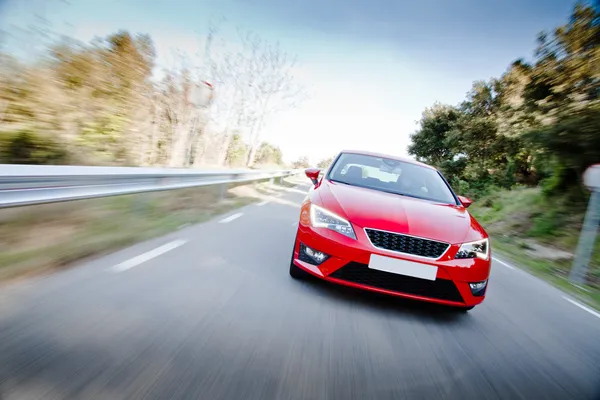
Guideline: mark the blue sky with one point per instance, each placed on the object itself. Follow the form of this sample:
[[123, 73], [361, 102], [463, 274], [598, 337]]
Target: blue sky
[[371, 66]]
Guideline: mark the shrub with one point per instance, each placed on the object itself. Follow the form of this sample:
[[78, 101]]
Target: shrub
[[25, 147]]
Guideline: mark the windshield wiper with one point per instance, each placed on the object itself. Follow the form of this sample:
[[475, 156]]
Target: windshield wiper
[[418, 197], [345, 183]]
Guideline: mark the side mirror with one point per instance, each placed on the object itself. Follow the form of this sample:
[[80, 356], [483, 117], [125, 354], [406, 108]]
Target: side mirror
[[466, 202], [313, 174]]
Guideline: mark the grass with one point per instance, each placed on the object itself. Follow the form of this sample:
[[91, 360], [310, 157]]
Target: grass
[[43, 238], [540, 235], [266, 189]]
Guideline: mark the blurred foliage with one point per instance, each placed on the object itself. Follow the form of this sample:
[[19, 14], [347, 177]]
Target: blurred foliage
[[25, 147], [269, 154], [87, 97], [302, 162], [102, 103], [533, 229], [537, 123], [236, 154], [324, 164]]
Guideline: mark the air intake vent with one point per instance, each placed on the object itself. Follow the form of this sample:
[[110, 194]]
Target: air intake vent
[[442, 289]]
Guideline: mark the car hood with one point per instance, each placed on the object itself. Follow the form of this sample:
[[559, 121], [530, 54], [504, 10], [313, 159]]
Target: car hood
[[386, 211]]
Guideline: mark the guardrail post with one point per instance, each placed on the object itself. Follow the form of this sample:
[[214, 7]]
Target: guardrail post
[[222, 191], [587, 240]]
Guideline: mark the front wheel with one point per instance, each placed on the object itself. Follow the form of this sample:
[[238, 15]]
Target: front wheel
[[465, 309], [296, 272]]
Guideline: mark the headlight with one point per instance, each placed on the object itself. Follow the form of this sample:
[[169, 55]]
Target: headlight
[[322, 218], [477, 249]]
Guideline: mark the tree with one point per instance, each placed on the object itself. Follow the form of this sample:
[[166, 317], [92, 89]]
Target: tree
[[87, 96], [431, 142], [101, 102], [325, 163], [563, 95], [236, 154], [255, 81], [276, 88], [300, 163], [534, 122], [182, 118], [269, 154]]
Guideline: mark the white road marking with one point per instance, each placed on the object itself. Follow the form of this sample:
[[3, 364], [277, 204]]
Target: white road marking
[[262, 203], [230, 218], [594, 313], [503, 263], [582, 288], [132, 262]]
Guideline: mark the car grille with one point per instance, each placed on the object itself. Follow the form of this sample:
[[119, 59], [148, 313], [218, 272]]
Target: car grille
[[407, 244], [442, 289]]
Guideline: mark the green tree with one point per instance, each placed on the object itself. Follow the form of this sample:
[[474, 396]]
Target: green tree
[[537, 121], [431, 142], [25, 147], [269, 154], [302, 162], [563, 96], [324, 164], [236, 154], [435, 143]]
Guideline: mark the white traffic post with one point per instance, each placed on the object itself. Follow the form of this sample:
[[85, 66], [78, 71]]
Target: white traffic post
[[587, 237]]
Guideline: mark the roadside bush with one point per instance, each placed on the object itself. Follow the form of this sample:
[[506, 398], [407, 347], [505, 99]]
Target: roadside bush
[[25, 147], [475, 189], [237, 151]]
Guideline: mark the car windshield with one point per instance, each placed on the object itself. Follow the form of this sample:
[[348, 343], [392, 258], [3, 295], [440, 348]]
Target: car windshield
[[392, 176]]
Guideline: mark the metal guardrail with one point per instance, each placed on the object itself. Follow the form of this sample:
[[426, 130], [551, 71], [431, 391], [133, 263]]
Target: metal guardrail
[[22, 185]]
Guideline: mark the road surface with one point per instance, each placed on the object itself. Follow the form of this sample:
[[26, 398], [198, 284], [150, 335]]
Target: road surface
[[210, 312]]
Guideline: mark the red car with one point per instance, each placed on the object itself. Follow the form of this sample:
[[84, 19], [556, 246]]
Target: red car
[[394, 226]]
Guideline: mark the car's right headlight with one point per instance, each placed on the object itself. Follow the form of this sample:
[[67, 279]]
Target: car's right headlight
[[322, 218], [476, 249]]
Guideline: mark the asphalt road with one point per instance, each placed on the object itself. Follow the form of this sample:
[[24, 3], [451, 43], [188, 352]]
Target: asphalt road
[[210, 312]]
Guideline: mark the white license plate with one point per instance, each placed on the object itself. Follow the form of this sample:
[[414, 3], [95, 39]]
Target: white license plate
[[403, 267]]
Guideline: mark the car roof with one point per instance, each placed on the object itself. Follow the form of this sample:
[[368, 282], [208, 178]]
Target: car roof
[[397, 158]]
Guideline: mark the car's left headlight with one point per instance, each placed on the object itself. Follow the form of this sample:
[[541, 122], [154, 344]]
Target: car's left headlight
[[476, 249], [322, 218]]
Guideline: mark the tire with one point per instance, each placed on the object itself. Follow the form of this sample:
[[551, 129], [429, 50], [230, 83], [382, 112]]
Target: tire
[[465, 309], [297, 272]]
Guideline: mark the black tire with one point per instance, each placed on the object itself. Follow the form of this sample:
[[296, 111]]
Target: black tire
[[465, 309], [297, 272]]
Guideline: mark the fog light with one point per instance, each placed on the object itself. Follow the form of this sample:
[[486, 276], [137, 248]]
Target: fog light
[[314, 256], [478, 288]]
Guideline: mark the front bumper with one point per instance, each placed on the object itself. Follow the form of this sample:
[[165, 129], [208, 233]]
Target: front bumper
[[348, 261]]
